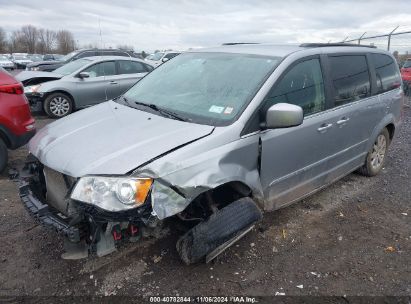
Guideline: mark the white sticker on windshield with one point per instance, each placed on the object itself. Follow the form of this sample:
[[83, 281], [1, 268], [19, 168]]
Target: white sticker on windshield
[[216, 109], [228, 110]]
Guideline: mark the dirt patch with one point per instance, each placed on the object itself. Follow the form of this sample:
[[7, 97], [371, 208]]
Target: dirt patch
[[353, 238]]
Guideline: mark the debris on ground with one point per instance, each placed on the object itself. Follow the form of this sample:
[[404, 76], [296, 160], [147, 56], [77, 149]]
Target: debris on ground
[[157, 259], [390, 249]]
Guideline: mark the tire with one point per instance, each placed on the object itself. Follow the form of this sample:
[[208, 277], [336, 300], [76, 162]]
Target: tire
[[3, 155], [218, 229], [58, 105], [376, 156]]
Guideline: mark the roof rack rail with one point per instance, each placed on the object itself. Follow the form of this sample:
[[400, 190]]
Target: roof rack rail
[[335, 44], [237, 43]]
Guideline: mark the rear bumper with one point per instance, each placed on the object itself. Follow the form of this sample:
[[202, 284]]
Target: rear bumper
[[16, 141], [20, 140]]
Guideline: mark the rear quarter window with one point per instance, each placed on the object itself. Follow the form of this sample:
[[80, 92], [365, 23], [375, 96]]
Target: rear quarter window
[[386, 71]]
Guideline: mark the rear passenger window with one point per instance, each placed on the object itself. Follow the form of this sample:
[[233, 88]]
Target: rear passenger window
[[302, 85], [386, 71], [350, 78], [131, 67]]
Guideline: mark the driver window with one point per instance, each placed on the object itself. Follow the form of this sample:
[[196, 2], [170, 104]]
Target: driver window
[[107, 68], [302, 85]]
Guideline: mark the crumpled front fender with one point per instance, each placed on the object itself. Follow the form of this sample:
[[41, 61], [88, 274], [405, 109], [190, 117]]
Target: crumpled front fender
[[186, 173]]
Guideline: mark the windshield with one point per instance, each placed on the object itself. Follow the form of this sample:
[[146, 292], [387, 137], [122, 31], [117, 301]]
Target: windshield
[[36, 58], [407, 64], [71, 67], [156, 56], [68, 56], [207, 88], [3, 58]]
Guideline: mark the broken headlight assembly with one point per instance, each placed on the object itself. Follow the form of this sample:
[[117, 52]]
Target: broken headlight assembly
[[112, 193], [32, 88]]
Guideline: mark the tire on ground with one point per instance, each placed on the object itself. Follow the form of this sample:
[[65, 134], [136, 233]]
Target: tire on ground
[[222, 226], [49, 98], [367, 169], [3, 155]]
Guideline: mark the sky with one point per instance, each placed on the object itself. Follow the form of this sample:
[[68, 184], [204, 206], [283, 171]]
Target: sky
[[183, 24]]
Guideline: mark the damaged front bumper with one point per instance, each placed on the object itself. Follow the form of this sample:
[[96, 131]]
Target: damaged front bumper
[[44, 215], [90, 228]]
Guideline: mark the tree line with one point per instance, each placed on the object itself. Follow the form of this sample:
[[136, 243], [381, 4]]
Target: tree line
[[33, 40]]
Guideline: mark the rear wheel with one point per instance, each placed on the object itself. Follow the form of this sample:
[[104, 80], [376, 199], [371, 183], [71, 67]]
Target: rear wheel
[[219, 231], [3, 155], [376, 156], [58, 105]]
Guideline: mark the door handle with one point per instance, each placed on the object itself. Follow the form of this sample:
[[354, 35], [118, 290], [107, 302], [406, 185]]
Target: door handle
[[324, 127], [113, 82], [343, 120]]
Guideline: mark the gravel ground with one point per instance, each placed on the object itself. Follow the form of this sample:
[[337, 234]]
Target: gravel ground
[[353, 238]]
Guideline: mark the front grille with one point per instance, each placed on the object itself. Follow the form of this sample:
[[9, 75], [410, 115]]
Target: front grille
[[57, 185]]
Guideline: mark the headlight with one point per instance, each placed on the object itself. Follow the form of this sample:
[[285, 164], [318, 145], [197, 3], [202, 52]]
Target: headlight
[[32, 89], [35, 68], [112, 193]]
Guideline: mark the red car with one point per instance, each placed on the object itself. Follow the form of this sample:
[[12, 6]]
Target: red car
[[16, 122], [406, 75]]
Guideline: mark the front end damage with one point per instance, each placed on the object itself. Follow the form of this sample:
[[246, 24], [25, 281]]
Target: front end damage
[[87, 229]]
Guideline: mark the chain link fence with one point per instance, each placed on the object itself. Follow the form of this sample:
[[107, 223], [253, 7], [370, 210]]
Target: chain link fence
[[396, 42]]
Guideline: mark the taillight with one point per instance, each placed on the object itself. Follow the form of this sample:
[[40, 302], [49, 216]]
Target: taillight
[[16, 88]]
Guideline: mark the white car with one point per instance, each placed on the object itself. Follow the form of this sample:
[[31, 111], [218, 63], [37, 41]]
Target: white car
[[21, 61], [158, 58], [6, 63]]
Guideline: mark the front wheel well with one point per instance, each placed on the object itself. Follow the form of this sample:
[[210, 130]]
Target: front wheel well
[[214, 199], [391, 130]]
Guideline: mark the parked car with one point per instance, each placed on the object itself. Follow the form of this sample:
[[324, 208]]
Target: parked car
[[160, 57], [52, 57], [212, 139], [406, 76], [21, 61], [16, 122], [82, 83], [51, 65], [35, 57], [6, 63]]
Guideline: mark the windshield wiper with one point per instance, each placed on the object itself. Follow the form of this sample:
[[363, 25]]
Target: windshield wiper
[[161, 110]]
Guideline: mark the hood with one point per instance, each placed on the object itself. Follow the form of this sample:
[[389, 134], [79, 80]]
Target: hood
[[31, 77], [48, 62], [110, 138]]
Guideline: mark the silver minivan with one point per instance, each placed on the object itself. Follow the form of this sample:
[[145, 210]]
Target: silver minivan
[[212, 139]]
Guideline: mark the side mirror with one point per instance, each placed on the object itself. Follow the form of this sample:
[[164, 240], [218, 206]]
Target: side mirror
[[164, 59], [84, 75], [283, 115]]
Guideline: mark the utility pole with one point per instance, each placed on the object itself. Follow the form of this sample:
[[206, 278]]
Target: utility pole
[[359, 39], [389, 37], [101, 36]]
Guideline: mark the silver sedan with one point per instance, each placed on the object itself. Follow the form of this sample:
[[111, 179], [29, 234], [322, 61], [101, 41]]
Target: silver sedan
[[82, 83]]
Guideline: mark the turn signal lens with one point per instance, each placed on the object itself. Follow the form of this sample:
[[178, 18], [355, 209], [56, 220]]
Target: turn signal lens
[[143, 187]]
